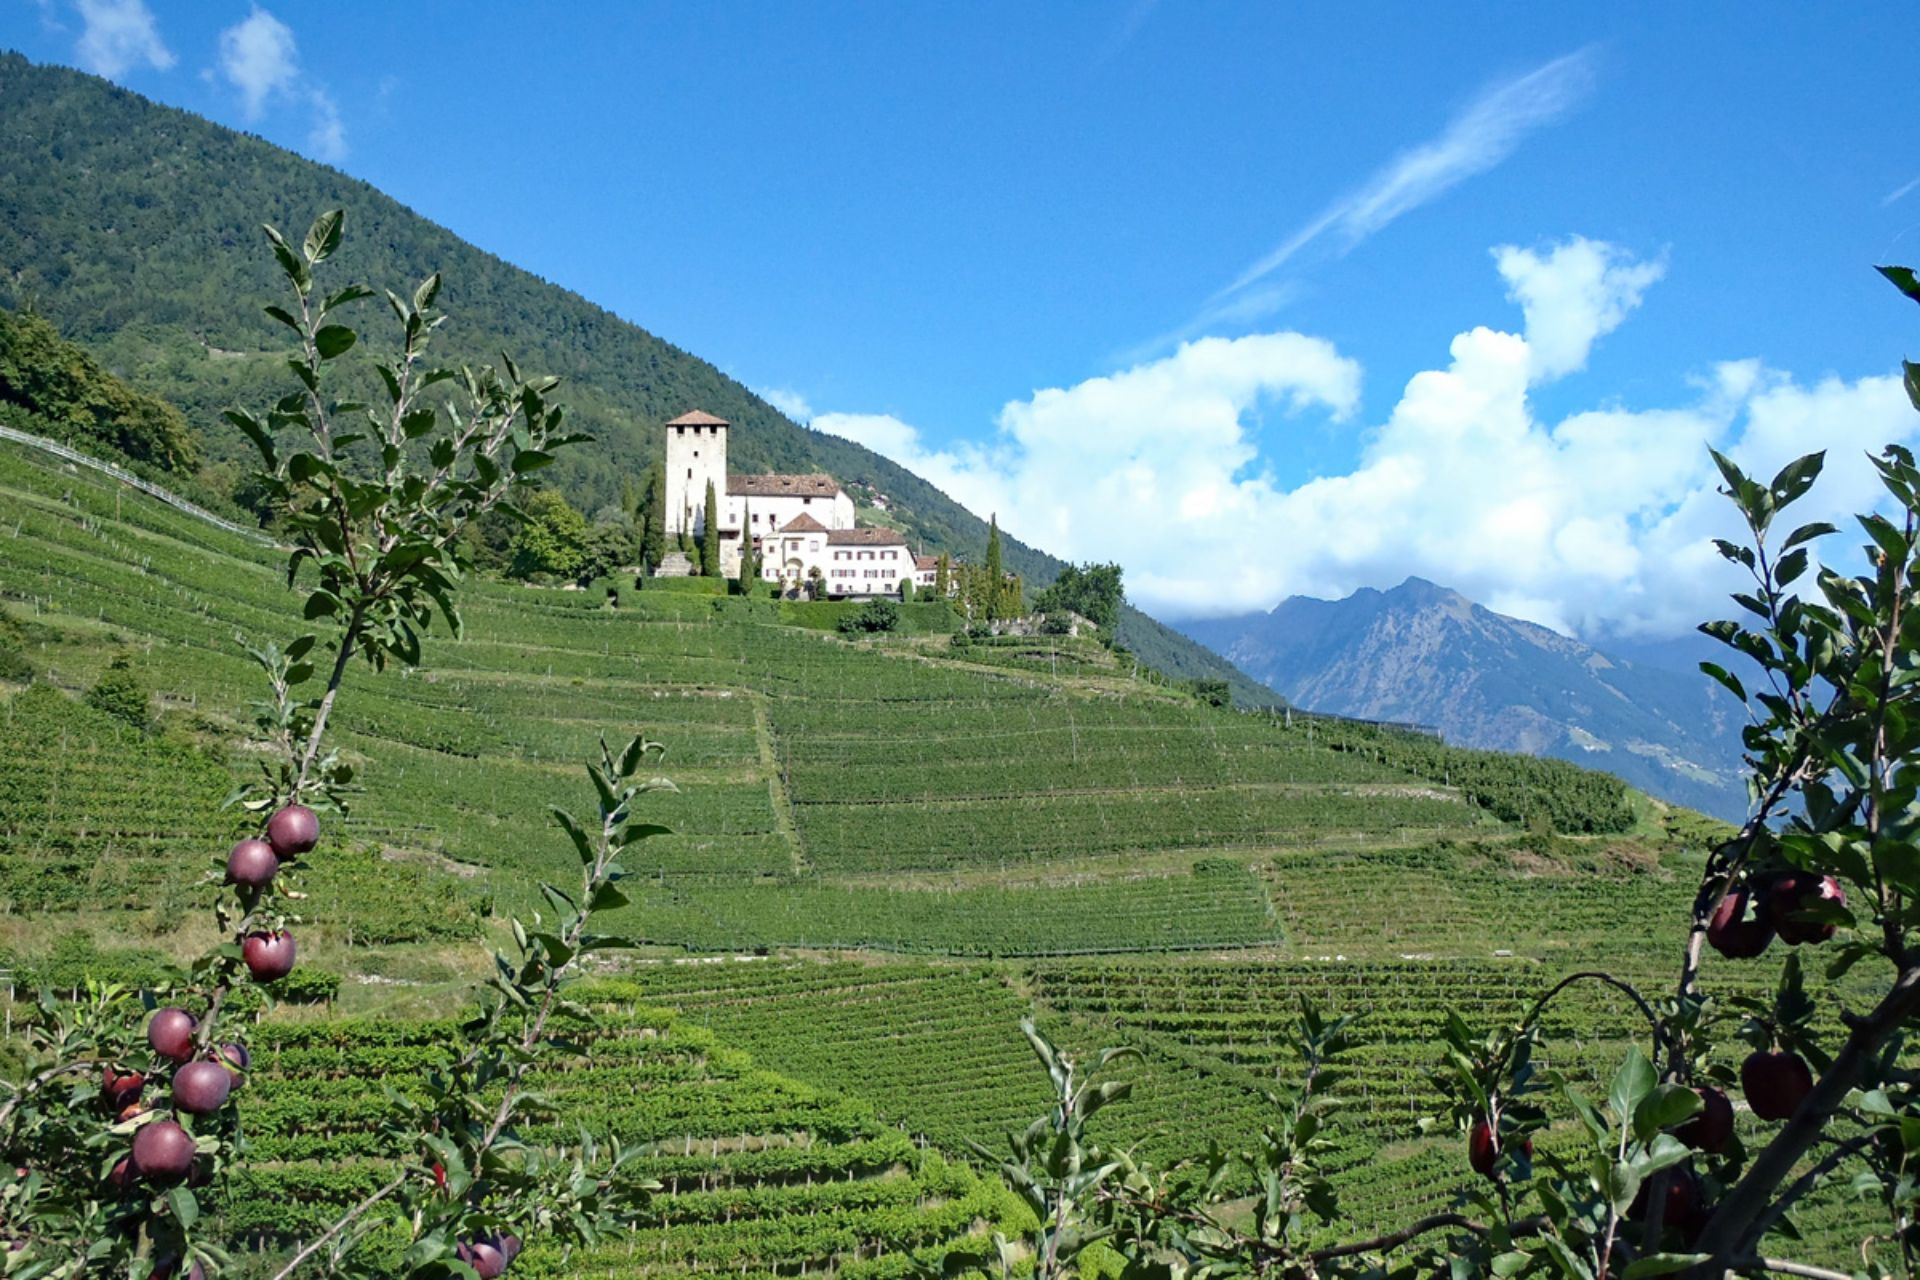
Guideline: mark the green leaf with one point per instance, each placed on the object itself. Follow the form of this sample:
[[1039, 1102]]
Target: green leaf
[[186, 1209], [1510, 1264], [1623, 1184], [323, 237], [638, 831], [1667, 1106], [1664, 1152], [333, 340], [1632, 1082], [606, 897], [261, 437], [321, 604], [1727, 678], [1807, 533], [1903, 279], [527, 460], [429, 289], [290, 262], [341, 297]]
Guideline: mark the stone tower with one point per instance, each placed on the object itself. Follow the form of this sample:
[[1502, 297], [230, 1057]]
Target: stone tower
[[696, 455]]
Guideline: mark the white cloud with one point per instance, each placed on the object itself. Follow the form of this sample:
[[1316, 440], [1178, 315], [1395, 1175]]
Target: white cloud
[[260, 57], [1578, 293], [787, 401], [119, 35], [1597, 522], [327, 138]]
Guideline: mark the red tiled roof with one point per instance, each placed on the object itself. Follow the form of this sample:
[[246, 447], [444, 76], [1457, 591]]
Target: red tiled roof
[[867, 538], [774, 486], [698, 418], [803, 523], [926, 562]]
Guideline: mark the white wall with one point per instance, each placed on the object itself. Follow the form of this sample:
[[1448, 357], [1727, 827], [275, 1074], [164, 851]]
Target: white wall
[[695, 457]]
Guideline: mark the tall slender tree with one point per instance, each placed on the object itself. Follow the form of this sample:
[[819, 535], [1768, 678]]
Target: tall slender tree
[[710, 536], [749, 558], [943, 577], [992, 595], [650, 516]]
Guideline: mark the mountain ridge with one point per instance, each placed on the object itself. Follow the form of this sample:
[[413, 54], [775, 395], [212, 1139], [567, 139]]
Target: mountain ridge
[[134, 227], [1425, 653]]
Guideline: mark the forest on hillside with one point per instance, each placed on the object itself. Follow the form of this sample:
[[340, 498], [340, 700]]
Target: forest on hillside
[[135, 229]]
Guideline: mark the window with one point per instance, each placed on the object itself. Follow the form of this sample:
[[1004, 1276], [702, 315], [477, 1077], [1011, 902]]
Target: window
[[806, 502], [696, 453], [689, 473], [814, 545]]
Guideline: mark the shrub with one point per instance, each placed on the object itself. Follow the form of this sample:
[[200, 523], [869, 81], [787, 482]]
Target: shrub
[[121, 693], [872, 617]]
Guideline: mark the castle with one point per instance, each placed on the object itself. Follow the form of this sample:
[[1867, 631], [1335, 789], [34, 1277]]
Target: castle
[[798, 524]]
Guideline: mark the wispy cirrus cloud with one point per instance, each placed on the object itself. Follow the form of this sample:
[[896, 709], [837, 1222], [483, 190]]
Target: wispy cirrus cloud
[[1484, 133]]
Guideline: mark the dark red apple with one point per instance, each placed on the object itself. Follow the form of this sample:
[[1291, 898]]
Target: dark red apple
[[1483, 1149], [163, 1151], [1730, 930], [1798, 891], [120, 1177], [169, 1267], [252, 864], [1712, 1128], [269, 956], [293, 831], [483, 1256], [235, 1058], [132, 1110], [119, 1088], [201, 1088], [170, 1032], [509, 1246], [1683, 1198], [1775, 1083]]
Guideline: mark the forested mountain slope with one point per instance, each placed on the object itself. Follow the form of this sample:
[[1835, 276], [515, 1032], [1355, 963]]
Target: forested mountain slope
[[135, 228]]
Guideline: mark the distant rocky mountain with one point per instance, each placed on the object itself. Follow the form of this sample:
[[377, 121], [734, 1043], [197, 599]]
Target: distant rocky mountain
[[1423, 653]]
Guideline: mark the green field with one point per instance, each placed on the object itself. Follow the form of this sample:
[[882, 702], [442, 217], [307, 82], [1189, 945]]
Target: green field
[[925, 843]]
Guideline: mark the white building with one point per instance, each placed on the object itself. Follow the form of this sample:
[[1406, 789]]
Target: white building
[[798, 523]]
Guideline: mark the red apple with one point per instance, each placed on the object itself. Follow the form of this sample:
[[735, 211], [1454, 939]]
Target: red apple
[[1712, 1128], [1483, 1149], [1732, 933], [509, 1246], [132, 1110], [122, 1175], [169, 1267], [235, 1058], [1683, 1198], [201, 1088], [252, 864], [119, 1088], [170, 1032], [269, 956], [1798, 891], [293, 831], [482, 1255], [1775, 1083], [163, 1151]]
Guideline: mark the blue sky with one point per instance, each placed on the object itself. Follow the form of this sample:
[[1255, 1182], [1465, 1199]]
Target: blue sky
[[976, 237]]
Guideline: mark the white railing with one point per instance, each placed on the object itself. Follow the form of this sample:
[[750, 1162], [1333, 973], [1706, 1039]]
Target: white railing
[[126, 477]]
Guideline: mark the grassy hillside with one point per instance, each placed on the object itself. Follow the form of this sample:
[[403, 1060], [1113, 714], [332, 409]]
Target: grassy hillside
[[1012, 805], [135, 228]]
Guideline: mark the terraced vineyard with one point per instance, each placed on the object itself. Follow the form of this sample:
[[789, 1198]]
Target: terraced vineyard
[[813, 772], [995, 839], [761, 1175]]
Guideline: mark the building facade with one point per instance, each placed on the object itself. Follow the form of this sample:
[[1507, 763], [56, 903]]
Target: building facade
[[798, 524]]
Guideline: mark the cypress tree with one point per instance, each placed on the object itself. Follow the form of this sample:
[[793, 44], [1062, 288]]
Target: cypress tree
[[749, 558], [994, 595], [650, 516], [943, 577], [710, 537]]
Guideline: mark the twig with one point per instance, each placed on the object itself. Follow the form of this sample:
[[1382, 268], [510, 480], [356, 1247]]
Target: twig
[[348, 1219], [1786, 1267], [1434, 1222]]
